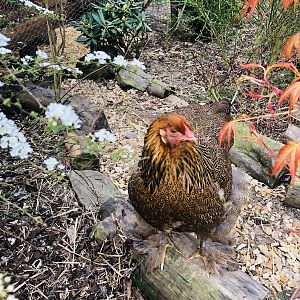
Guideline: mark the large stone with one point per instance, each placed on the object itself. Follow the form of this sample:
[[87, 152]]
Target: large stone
[[159, 89], [254, 157], [133, 77], [93, 117], [176, 101], [293, 133], [92, 188], [293, 194], [35, 97]]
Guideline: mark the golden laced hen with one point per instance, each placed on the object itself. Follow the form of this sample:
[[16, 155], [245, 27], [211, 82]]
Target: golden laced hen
[[184, 180]]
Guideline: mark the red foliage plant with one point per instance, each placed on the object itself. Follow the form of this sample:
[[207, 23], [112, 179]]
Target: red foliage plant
[[289, 154]]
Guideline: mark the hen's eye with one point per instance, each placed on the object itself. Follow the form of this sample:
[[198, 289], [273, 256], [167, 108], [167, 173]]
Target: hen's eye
[[173, 131]]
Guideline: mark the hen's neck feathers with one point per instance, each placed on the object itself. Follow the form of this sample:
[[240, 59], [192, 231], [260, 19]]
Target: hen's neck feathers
[[161, 164]]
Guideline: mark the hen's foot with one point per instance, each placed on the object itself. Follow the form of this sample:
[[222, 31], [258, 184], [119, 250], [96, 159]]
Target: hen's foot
[[216, 257], [155, 247]]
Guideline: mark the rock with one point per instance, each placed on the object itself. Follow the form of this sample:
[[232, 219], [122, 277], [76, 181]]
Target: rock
[[131, 135], [292, 197], [35, 97], [92, 116], [293, 133], [133, 77], [92, 188], [77, 142], [160, 89], [94, 70], [176, 101], [254, 158]]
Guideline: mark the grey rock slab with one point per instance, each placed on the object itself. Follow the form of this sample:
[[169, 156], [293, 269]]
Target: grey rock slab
[[293, 133], [133, 77], [293, 194], [254, 158], [92, 188], [176, 101]]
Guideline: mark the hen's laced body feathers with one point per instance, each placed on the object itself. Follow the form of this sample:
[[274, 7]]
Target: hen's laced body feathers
[[185, 187]]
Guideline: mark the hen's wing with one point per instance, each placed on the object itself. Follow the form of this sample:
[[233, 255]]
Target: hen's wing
[[207, 120]]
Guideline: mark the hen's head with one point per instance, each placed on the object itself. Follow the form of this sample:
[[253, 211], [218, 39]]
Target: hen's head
[[172, 130]]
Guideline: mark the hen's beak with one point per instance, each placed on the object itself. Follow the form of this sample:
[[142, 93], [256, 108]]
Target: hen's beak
[[189, 135], [191, 138]]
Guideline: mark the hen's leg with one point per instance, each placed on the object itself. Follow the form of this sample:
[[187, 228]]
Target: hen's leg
[[155, 247], [215, 256]]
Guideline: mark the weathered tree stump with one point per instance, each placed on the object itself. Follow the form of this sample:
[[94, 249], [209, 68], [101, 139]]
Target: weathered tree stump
[[292, 197], [293, 194], [180, 279], [254, 158]]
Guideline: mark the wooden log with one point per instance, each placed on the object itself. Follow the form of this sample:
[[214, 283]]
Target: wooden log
[[292, 197], [181, 278], [254, 158], [293, 133]]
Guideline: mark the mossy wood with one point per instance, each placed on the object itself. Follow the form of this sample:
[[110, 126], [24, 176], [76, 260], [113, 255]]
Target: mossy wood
[[254, 157], [181, 278]]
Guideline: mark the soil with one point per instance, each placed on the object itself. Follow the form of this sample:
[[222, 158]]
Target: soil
[[57, 259]]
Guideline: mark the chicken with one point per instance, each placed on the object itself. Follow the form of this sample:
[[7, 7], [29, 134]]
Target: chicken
[[184, 180]]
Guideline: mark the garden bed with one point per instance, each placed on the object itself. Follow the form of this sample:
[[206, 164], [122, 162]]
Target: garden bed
[[57, 259]]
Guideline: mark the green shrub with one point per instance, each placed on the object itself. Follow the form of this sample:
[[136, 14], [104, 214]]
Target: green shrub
[[117, 27], [206, 18], [273, 27]]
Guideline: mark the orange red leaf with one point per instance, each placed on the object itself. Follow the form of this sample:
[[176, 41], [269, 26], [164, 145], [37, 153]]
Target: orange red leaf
[[251, 4], [292, 92], [287, 3], [287, 65], [247, 66], [289, 154], [292, 42], [226, 131]]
